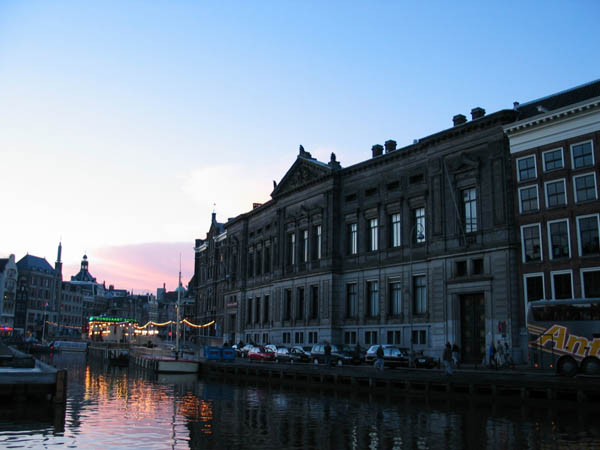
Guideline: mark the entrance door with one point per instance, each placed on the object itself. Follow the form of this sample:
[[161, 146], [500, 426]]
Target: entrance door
[[472, 324]]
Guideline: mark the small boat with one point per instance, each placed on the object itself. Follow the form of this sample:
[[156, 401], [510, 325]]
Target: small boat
[[68, 346]]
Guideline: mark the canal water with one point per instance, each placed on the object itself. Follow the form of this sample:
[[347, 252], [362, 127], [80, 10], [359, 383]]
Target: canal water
[[122, 408]]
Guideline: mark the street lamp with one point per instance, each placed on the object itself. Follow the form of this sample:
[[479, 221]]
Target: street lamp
[[419, 229]]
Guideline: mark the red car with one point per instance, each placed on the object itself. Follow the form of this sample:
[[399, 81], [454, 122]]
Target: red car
[[260, 353]]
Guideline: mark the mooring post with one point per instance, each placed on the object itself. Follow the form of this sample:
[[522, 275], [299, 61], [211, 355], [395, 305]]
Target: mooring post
[[60, 389]]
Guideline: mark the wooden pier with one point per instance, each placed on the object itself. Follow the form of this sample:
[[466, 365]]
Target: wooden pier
[[494, 385]]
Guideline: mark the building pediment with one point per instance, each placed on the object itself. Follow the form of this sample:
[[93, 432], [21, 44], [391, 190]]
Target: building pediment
[[304, 170]]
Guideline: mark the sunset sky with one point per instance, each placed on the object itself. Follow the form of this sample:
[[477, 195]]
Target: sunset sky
[[124, 124]]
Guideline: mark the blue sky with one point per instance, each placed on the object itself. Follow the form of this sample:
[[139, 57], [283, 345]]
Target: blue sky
[[122, 123]]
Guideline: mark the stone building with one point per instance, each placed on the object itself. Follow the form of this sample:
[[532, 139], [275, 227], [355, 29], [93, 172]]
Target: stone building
[[210, 280], [36, 296], [554, 148], [413, 246]]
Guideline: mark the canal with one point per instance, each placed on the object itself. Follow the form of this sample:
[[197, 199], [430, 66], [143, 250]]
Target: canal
[[115, 408]]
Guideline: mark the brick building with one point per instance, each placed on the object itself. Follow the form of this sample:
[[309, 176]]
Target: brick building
[[554, 148]]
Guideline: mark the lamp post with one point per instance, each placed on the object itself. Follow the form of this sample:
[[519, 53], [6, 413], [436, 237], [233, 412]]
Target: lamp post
[[420, 236]]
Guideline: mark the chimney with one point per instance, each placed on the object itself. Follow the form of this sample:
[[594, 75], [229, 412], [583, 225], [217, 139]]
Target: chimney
[[390, 146], [515, 105], [459, 119], [377, 150], [477, 113]]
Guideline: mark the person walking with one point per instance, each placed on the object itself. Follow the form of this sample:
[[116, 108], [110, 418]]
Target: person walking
[[447, 357], [499, 355], [492, 355], [455, 355], [327, 354], [379, 362]]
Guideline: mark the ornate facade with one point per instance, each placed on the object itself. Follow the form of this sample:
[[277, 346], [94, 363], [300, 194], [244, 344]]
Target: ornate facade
[[414, 246]]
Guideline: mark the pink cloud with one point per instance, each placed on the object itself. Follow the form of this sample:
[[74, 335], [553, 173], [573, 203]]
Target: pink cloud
[[141, 267]]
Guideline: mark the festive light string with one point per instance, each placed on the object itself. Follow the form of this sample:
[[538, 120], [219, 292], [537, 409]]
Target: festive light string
[[184, 321], [64, 326], [150, 323]]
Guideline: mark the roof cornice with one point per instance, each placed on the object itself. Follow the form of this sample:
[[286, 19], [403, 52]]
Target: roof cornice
[[553, 116]]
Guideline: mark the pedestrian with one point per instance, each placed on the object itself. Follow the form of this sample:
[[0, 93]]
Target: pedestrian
[[379, 362], [447, 357], [455, 355], [499, 355], [327, 354], [492, 355]]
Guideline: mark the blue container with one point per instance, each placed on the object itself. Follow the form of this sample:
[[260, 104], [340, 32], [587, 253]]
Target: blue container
[[228, 353], [213, 353]]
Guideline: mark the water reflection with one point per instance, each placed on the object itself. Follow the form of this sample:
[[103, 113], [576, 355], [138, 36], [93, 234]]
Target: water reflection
[[112, 407]]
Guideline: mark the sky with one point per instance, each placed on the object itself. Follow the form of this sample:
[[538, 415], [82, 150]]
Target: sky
[[124, 125]]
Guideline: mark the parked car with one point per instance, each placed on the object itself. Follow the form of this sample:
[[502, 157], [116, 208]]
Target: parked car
[[245, 349], [425, 362], [291, 355], [340, 354], [260, 353], [393, 356], [273, 347]]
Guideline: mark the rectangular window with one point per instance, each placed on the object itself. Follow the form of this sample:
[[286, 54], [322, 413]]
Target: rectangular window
[[373, 234], [249, 311], [396, 230], [267, 259], [350, 337], [257, 307], [313, 337], [419, 294], [258, 262], [318, 241], [419, 215], [590, 281], [291, 249], [587, 232], [314, 302], [305, 246], [265, 338], [533, 285], [351, 293], [299, 337], [419, 337], [585, 187], [266, 309], [394, 337], [556, 193], [553, 159], [373, 298], [461, 269], [370, 337], [562, 286], [287, 307], [286, 338], [300, 303], [528, 199], [470, 210], [395, 293], [582, 154], [526, 169], [477, 266], [352, 239], [531, 243], [558, 239]]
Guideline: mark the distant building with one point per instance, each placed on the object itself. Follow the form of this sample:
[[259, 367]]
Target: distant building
[[8, 291], [92, 293], [36, 295], [555, 153]]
